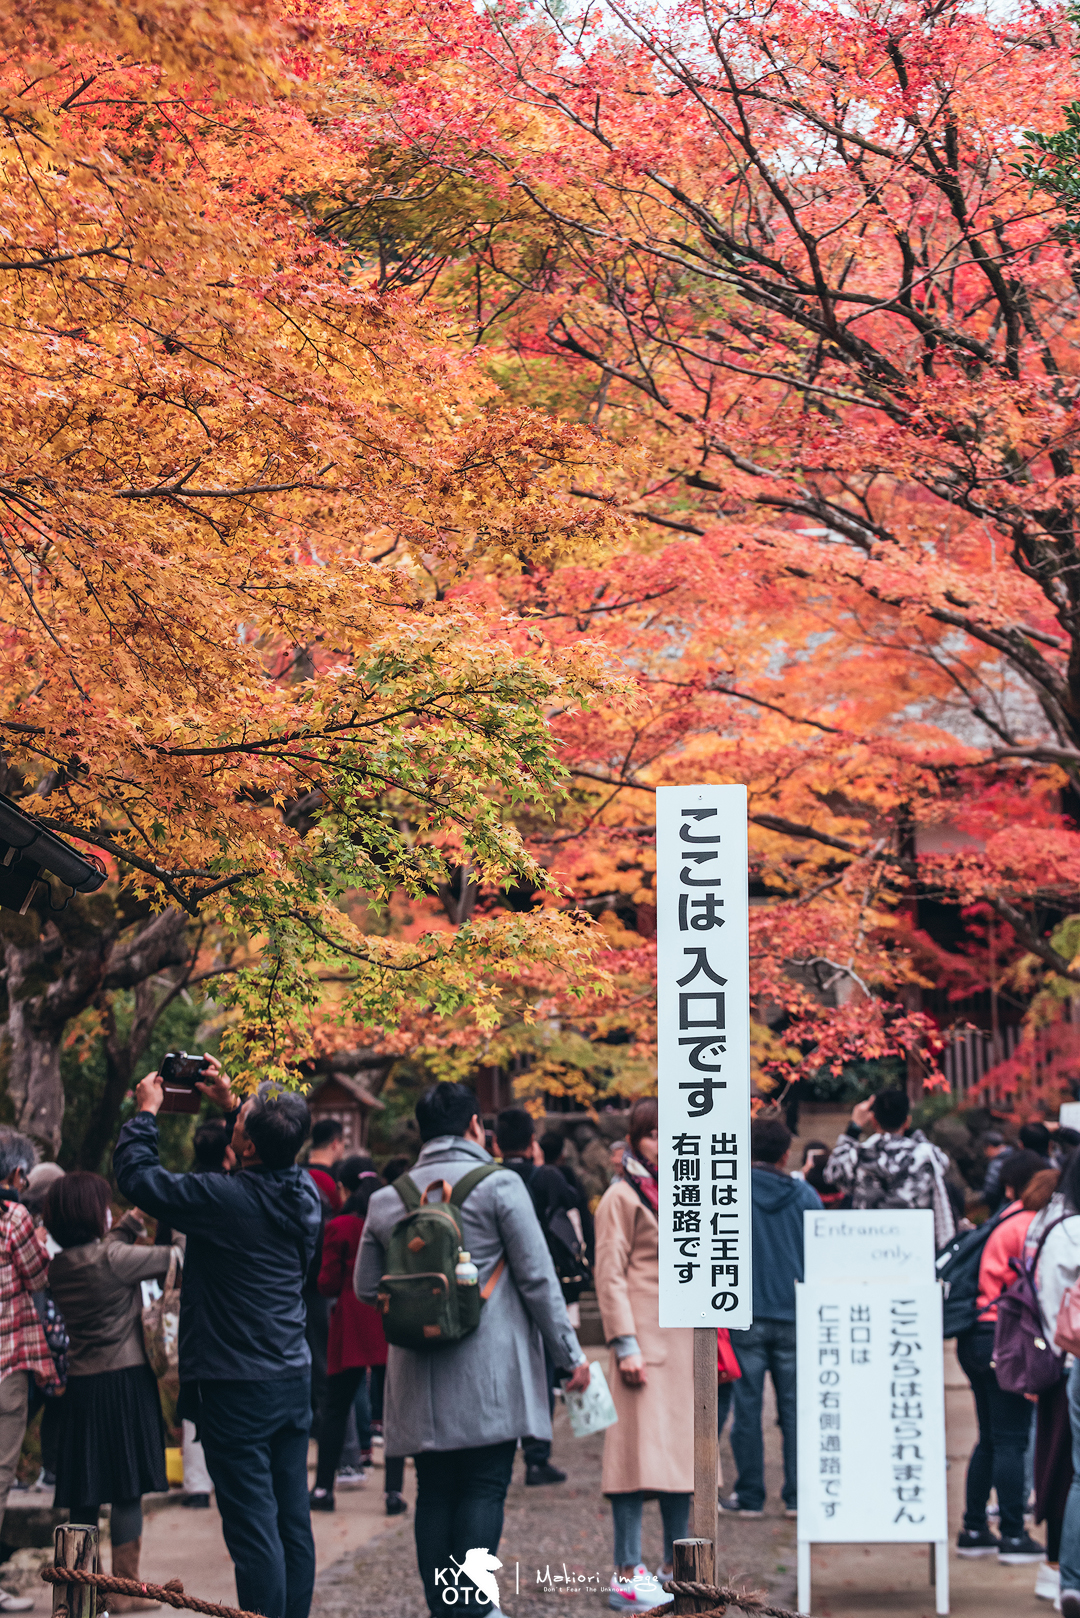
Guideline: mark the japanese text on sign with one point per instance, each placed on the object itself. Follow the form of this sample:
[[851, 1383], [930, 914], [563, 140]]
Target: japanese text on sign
[[873, 1356], [703, 1056]]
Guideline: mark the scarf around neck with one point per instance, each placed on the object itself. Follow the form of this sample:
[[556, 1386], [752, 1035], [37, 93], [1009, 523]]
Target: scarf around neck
[[643, 1180]]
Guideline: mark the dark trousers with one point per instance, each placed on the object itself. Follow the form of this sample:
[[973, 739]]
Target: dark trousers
[[378, 1389], [460, 1495], [341, 1390], [255, 1437], [767, 1345], [317, 1332], [52, 1411], [537, 1451], [997, 1461]]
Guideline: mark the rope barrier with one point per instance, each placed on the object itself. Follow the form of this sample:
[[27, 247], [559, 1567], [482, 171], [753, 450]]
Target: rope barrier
[[746, 1600], [170, 1595], [173, 1595]]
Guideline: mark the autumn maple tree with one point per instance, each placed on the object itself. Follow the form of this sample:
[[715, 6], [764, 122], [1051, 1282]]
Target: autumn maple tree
[[235, 478], [808, 265]]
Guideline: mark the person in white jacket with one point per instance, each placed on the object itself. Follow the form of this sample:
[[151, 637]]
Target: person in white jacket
[[1058, 1268]]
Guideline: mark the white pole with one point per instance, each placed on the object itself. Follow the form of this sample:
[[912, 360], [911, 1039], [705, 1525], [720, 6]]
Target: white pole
[[941, 1568], [804, 1576]]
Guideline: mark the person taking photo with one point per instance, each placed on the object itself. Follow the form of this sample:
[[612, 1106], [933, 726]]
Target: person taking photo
[[245, 1366]]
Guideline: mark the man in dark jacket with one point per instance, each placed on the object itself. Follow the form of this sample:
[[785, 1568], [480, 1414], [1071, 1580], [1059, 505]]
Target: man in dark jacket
[[779, 1202], [244, 1363]]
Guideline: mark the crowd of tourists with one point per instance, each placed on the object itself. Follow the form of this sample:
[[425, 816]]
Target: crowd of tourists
[[429, 1309]]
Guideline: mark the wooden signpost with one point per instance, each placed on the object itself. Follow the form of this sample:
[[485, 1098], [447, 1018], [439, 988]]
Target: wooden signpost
[[703, 1042]]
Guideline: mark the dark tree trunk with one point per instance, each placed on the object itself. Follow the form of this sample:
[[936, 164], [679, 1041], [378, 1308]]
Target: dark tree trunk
[[52, 967]]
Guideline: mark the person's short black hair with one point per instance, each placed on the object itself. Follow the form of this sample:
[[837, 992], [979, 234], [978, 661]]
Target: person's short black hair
[[210, 1144], [813, 1146], [75, 1208], [1019, 1169], [446, 1109], [277, 1126], [770, 1138], [1035, 1137], [394, 1168], [552, 1142], [352, 1168], [994, 1137], [326, 1130], [1066, 1139], [514, 1130], [892, 1109]]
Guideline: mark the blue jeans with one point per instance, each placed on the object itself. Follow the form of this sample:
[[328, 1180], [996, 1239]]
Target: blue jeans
[[460, 1495], [626, 1511], [1004, 1429], [255, 1437], [1070, 1528], [767, 1345]]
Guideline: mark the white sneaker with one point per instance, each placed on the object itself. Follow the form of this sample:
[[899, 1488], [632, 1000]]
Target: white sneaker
[[10, 1603], [1047, 1582], [638, 1593], [350, 1477]]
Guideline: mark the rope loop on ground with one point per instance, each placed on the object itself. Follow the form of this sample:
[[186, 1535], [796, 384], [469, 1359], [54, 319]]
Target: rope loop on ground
[[749, 1601], [170, 1595]]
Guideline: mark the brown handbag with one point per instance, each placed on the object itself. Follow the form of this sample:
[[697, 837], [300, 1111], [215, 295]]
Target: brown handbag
[[161, 1328]]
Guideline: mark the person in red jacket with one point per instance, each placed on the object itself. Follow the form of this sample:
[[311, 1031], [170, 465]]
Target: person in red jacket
[[356, 1339], [1004, 1418]]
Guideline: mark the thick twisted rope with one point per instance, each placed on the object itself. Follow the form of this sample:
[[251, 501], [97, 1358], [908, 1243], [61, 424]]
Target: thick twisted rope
[[171, 1594], [746, 1600]]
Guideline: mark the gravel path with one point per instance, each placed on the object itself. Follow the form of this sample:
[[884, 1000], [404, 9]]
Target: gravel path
[[564, 1530]]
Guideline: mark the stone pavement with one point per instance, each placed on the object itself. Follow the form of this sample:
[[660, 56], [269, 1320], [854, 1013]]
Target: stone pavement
[[556, 1548], [565, 1530], [186, 1544]]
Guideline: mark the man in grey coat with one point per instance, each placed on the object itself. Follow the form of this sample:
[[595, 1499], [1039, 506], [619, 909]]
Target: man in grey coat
[[460, 1409]]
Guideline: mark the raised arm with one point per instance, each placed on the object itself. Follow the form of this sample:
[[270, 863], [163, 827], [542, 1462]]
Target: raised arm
[[191, 1202]]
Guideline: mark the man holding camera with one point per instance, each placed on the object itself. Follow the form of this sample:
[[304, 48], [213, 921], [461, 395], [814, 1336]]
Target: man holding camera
[[245, 1368]]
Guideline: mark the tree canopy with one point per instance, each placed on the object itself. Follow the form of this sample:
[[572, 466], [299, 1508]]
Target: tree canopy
[[232, 477], [793, 258]]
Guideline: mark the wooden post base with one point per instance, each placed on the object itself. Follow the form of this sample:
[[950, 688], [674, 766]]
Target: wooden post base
[[76, 1546], [694, 1561]]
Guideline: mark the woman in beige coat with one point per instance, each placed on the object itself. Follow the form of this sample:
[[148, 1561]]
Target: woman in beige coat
[[650, 1449]]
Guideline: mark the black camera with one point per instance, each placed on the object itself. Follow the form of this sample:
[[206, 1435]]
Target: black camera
[[179, 1074]]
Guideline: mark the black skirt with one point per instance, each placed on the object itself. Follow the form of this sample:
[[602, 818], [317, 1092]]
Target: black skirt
[[112, 1438]]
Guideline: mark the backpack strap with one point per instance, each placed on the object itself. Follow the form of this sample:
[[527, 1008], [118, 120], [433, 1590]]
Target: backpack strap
[[470, 1181], [1042, 1241], [409, 1192], [465, 1185]]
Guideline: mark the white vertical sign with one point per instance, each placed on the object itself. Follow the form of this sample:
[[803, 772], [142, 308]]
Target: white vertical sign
[[703, 1040], [871, 1413]]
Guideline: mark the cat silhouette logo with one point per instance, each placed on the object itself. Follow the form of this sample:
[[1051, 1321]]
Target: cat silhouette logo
[[479, 1566]]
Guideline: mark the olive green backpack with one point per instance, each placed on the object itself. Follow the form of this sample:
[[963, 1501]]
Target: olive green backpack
[[421, 1303]]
